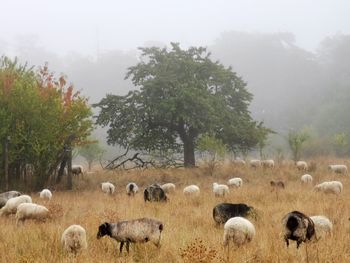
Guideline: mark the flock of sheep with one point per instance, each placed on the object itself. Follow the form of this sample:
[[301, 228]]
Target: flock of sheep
[[237, 228]]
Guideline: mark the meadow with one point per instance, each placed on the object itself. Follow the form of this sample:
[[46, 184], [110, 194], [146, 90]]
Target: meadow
[[190, 234]]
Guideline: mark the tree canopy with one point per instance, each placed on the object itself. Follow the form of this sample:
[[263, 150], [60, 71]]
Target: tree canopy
[[180, 95]]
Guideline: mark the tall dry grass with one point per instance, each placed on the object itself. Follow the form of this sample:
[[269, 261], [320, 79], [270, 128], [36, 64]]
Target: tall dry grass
[[190, 234]]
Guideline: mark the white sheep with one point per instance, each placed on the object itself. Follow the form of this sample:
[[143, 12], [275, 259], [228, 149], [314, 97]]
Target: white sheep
[[302, 165], [131, 189], [191, 190], [31, 211], [46, 194], [13, 203], [239, 162], [107, 187], [338, 168], [323, 226], [332, 187], [238, 182], [220, 189], [168, 188], [77, 169], [239, 230], [268, 163], [255, 163], [306, 178], [74, 239]]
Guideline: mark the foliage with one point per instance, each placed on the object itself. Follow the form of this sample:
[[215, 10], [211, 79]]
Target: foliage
[[91, 151], [296, 141], [181, 95], [340, 143], [39, 112]]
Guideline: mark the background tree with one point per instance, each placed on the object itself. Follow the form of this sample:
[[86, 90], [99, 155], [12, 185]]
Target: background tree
[[91, 152], [296, 141], [181, 95], [340, 143]]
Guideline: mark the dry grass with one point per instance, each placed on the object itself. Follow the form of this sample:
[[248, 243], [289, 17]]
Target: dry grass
[[190, 234]]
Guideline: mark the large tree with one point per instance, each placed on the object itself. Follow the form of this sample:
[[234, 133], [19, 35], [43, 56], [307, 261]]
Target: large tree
[[180, 95]]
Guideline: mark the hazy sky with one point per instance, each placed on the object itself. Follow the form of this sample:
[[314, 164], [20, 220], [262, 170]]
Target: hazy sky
[[87, 26]]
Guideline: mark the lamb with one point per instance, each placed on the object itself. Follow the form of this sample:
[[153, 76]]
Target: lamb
[[131, 189], [13, 203], [6, 196], [239, 230], [46, 194], [73, 239], [297, 226], [133, 231], [191, 190], [237, 182], [338, 168], [220, 189], [31, 211], [332, 187], [323, 226], [306, 178], [255, 163], [108, 187], [154, 193], [301, 165], [268, 163], [277, 184], [168, 188], [224, 211], [77, 169]]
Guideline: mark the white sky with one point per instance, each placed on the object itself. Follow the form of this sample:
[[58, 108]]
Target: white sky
[[86, 26]]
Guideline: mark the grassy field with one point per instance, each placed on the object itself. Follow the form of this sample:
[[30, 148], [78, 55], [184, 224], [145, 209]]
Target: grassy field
[[190, 234]]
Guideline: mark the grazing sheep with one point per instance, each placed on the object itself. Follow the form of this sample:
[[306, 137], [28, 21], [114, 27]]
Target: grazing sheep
[[77, 169], [302, 165], [332, 187], [323, 226], [31, 211], [277, 184], [255, 163], [154, 193], [168, 188], [306, 178], [131, 189], [6, 196], [191, 190], [298, 227], [13, 203], [224, 211], [239, 230], [338, 168], [74, 239], [239, 162], [268, 163], [238, 182], [108, 187], [46, 194], [133, 231], [220, 189]]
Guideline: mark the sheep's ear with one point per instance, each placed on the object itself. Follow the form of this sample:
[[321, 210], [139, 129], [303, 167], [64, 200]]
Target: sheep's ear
[[105, 224]]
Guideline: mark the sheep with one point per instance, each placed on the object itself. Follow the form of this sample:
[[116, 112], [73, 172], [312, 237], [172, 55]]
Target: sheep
[[323, 226], [168, 188], [298, 227], [154, 193], [77, 169], [131, 189], [255, 163], [338, 168], [191, 190], [306, 178], [6, 196], [237, 182], [73, 239], [31, 211], [239, 230], [239, 162], [133, 231], [268, 163], [107, 188], [13, 203], [46, 194], [224, 211], [332, 187], [301, 165], [220, 189], [277, 184]]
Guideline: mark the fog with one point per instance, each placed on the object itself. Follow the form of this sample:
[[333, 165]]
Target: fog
[[292, 54]]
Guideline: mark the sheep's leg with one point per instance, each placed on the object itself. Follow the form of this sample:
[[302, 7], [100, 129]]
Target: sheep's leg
[[287, 241], [127, 246], [121, 247]]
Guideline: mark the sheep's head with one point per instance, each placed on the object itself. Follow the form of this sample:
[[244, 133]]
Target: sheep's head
[[103, 230]]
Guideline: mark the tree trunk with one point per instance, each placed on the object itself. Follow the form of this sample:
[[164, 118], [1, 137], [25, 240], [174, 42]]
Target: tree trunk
[[189, 159], [61, 170], [6, 164], [69, 164]]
